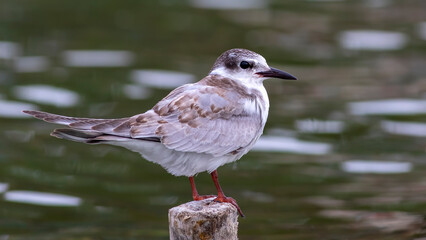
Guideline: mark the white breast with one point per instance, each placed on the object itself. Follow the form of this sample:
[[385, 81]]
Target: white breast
[[265, 108], [254, 107]]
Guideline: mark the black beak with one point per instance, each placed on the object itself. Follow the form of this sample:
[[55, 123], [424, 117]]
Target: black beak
[[276, 73]]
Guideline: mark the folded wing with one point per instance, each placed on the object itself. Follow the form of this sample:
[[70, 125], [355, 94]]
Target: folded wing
[[192, 118], [203, 120]]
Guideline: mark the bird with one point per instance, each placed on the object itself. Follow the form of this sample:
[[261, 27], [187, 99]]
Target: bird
[[197, 127]]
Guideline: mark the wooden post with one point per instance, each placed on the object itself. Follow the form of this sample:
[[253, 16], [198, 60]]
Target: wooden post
[[203, 220]]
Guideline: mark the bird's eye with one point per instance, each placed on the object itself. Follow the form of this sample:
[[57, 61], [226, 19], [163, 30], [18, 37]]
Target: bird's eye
[[244, 65]]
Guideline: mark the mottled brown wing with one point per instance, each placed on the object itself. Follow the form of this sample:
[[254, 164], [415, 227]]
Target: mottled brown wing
[[201, 119]]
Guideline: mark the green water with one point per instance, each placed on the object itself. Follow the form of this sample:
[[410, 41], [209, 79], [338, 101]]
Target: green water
[[284, 195]]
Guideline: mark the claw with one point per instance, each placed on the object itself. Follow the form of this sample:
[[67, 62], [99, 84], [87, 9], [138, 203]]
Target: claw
[[231, 201], [220, 196]]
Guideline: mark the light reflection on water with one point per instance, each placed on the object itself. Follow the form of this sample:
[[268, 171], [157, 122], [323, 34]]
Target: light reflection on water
[[161, 78], [388, 107], [377, 3], [292, 145], [229, 5], [372, 40], [9, 50], [97, 58], [381, 167], [31, 64], [422, 30], [318, 126], [386, 222], [325, 1], [13, 109], [415, 129], [42, 198], [134, 91], [3, 187], [46, 94]]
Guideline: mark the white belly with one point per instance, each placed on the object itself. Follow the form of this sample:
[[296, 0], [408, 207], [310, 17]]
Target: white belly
[[177, 163]]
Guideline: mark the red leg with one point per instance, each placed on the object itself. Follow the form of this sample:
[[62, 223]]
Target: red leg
[[195, 194], [221, 196]]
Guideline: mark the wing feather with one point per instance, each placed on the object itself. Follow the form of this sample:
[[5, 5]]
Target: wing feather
[[203, 119]]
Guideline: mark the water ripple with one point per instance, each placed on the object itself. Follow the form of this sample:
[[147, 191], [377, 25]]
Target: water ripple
[[97, 58], [46, 94], [42, 198], [9, 50], [31, 64], [229, 5], [13, 109], [381, 167], [372, 40], [293, 145], [388, 107], [161, 79]]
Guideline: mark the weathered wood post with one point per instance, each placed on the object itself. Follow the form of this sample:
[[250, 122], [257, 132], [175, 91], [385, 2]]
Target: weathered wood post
[[204, 220]]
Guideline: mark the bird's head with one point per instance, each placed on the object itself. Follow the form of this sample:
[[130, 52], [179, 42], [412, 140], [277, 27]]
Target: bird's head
[[246, 66]]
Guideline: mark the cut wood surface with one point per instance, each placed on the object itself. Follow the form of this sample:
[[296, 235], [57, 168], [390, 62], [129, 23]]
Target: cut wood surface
[[204, 220]]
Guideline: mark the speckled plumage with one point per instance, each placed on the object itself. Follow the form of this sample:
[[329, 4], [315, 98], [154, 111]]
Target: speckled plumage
[[197, 127]]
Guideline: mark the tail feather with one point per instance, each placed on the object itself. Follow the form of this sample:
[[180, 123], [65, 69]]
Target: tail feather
[[85, 136], [75, 135], [118, 127], [89, 130], [64, 120]]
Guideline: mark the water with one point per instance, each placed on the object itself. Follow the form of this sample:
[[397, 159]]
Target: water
[[9, 50], [44, 199], [372, 40], [389, 107], [229, 5], [422, 30], [342, 157], [382, 167], [97, 58], [287, 144], [318, 126], [31, 64], [13, 109], [161, 78], [47, 95]]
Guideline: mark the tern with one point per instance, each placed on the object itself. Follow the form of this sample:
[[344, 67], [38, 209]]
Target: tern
[[197, 127]]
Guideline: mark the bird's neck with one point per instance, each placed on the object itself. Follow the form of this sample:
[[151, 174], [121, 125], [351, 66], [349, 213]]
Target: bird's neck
[[255, 92]]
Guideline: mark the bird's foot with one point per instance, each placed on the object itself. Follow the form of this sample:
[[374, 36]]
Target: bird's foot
[[230, 200], [202, 197]]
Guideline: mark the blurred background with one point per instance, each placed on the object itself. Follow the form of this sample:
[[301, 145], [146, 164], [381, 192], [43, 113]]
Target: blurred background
[[342, 156]]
